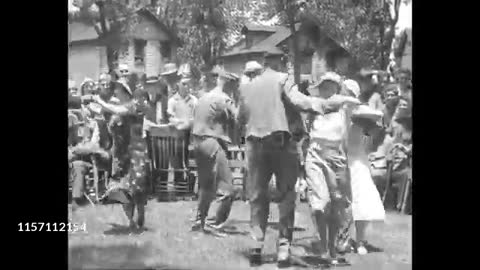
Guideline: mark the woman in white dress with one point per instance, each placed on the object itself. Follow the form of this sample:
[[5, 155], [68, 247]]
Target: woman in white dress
[[367, 205]]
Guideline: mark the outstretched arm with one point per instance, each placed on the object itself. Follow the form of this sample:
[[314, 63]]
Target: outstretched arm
[[313, 104], [115, 109]]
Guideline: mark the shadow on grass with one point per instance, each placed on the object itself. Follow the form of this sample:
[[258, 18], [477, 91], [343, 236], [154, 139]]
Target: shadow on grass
[[273, 225], [115, 256], [294, 260], [118, 229]]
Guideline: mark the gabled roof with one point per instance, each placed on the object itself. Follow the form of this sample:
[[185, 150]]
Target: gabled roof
[[260, 28], [148, 14], [268, 45], [81, 32]]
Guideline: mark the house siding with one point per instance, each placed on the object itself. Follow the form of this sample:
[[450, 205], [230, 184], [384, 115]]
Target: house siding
[[153, 59], [85, 61]]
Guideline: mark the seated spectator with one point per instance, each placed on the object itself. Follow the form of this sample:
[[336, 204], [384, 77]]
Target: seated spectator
[[404, 78], [390, 104]]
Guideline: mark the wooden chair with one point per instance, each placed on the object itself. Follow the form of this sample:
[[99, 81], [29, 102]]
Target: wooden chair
[[162, 145], [238, 165], [404, 187]]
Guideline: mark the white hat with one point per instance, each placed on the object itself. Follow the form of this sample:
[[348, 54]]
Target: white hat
[[122, 67], [352, 86], [252, 66], [364, 111], [329, 76]]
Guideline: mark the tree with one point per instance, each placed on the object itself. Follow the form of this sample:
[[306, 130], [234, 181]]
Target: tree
[[200, 24], [289, 12], [365, 28]]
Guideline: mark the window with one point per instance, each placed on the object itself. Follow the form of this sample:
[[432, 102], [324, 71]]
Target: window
[[139, 48], [165, 49]]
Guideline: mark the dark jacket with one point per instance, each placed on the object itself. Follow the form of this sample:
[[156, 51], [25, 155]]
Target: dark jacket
[[214, 115], [272, 102]]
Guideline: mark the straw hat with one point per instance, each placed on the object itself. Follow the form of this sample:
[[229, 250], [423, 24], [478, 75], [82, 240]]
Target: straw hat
[[364, 111], [329, 76], [169, 69], [252, 66]]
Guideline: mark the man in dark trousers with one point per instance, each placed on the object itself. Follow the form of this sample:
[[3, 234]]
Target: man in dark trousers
[[213, 116], [270, 108]]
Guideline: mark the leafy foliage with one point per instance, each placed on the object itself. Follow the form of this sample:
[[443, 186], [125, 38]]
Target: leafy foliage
[[366, 28], [206, 27]]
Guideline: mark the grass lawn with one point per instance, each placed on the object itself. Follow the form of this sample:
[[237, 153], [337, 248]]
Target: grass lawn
[[168, 244]]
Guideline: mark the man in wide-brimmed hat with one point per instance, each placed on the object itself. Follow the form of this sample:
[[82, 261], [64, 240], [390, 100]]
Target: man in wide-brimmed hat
[[170, 76], [252, 69]]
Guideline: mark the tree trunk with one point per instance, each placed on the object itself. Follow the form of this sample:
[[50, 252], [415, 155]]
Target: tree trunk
[[295, 49], [103, 25], [390, 34]]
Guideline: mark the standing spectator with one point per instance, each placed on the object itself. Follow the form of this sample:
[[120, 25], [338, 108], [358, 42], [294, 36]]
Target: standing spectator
[[207, 81], [405, 83], [170, 76], [180, 111], [214, 115], [252, 70], [391, 101], [158, 100], [270, 107]]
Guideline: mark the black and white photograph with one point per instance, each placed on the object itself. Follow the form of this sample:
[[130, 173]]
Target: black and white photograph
[[239, 134]]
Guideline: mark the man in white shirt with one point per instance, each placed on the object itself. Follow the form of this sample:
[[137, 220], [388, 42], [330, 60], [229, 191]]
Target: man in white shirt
[[180, 112]]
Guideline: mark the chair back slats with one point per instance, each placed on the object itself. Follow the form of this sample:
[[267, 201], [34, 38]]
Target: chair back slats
[[168, 144]]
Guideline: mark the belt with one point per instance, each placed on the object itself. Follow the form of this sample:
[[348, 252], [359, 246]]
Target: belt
[[276, 137]]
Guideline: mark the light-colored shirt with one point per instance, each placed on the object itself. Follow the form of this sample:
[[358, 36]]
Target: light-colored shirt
[[330, 127], [181, 109]]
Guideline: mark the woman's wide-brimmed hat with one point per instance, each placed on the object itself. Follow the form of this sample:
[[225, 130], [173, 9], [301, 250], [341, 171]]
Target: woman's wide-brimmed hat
[[329, 76], [365, 112]]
